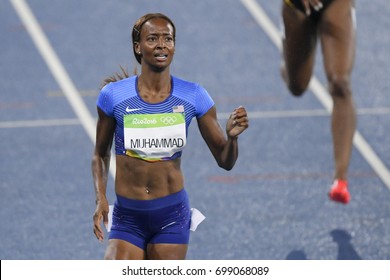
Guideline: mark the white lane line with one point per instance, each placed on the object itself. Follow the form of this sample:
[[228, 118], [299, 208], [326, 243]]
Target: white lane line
[[253, 115], [319, 91], [305, 113], [57, 69]]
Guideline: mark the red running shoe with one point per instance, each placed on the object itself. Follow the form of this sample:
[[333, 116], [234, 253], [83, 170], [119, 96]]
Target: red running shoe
[[339, 191]]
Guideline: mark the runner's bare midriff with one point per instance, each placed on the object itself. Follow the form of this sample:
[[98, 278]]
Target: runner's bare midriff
[[139, 179]]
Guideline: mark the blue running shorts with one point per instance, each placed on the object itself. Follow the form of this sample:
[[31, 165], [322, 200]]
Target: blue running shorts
[[160, 220]]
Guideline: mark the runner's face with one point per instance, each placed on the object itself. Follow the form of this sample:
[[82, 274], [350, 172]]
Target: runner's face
[[156, 44]]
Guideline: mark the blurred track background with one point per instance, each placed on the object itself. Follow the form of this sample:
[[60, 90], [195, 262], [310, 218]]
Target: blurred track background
[[272, 205]]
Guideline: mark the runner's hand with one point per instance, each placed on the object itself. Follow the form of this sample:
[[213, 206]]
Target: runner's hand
[[316, 4], [238, 122], [101, 213]]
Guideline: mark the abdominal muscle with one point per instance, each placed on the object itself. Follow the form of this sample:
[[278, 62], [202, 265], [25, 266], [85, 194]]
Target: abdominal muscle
[[143, 180]]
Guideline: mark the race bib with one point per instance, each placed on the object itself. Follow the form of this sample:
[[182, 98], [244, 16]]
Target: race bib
[[154, 136]]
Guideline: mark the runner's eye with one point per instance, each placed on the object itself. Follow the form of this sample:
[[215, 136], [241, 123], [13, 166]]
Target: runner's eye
[[151, 39]]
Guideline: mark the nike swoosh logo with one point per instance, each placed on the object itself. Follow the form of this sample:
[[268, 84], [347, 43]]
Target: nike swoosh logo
[[168, 225], [128, 110]]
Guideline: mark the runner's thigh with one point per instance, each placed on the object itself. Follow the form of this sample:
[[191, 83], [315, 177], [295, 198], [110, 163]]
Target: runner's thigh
[[337, 32], [167, 251]]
